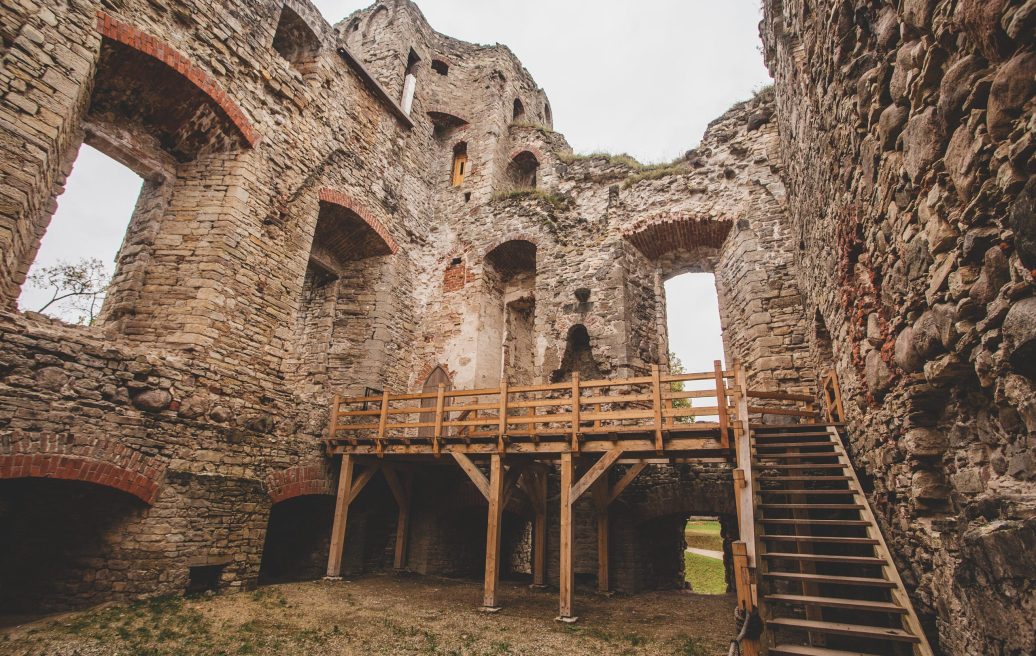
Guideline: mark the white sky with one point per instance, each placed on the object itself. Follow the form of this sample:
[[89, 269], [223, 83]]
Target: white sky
[[642, 77]]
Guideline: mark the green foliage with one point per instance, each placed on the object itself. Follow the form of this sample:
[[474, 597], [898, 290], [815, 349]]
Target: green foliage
[[558, 201], [675, 368], [78, 289]]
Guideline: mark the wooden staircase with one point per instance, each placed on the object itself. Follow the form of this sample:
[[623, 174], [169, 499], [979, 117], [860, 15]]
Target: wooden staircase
[[827, 583]]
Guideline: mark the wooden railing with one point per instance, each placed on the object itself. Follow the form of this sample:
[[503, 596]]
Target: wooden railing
[[575, 411]]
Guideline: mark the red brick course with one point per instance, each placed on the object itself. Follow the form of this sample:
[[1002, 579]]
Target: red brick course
[[348, 202], [144, 485], [128, 35], [299, 481]]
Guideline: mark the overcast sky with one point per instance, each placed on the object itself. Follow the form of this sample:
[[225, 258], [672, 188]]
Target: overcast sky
[[643, 77]]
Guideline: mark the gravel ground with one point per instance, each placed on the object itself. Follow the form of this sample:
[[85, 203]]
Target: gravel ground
[[385, 615]]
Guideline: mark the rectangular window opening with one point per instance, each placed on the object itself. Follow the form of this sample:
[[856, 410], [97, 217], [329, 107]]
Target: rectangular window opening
[[204, 578], [75, 263]]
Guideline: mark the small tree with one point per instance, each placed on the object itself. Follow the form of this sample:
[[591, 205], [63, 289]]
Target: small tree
[[675, 369], [78, 289]]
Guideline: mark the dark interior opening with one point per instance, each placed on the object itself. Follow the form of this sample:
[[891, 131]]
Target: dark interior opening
[[204, 578], [298, 537]]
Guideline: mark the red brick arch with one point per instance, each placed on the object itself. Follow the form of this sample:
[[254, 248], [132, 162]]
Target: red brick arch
[[142, 484], [301, 480], [128, 35], [536, 152], [341, 199], [657, 235]]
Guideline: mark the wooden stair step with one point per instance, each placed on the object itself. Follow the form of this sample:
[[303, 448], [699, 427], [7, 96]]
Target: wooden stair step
[[841, 628], [794, 445], [796, 456], [839, 602], [803, 478], [785, 436], [825, 539], [806, 650], [821, 558], [821, 465], [831, 578], [807, 492], [814, 522], [803, 426], [813, 506]]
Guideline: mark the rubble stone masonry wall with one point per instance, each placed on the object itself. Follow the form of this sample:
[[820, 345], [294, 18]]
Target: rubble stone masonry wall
[[907, 136]]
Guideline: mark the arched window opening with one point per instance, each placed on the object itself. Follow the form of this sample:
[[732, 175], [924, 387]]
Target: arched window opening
[[507, 337], [459, 169], [296, 42], [431, 386], [519, 110], [578, 356], [522, 171], [440, 67], [410, 82], [334, 314]]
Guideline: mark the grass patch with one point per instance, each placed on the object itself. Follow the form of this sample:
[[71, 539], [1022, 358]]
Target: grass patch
[[704, 534], [657, 172], [706, 575], [690, 647], [622, 159]]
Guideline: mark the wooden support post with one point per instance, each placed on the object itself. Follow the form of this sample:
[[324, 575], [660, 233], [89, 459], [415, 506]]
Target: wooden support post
[[576, 407], [496, 509], [345, 484], [502, 430], [721, 402], [656, 392], [745, 594], [381, 423], [539, 529], [440, 403], [601, 500], [743, 450], [624, 482], [402, 492], [332, 426], [567, 579]]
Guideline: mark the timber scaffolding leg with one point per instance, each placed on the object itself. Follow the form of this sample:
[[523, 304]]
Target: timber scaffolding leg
[[743, 551], [349, 487], [596, 479]]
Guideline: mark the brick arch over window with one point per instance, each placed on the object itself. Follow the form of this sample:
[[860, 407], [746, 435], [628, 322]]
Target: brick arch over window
[[141, 479], [301, 480], [335, 197], [657, 235], [178, 66], [427, 370]]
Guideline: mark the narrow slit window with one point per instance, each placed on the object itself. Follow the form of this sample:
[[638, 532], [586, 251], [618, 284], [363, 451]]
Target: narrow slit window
[[460, 164]]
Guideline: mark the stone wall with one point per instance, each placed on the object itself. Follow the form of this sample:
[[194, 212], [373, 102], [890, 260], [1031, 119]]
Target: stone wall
[[907, 141]]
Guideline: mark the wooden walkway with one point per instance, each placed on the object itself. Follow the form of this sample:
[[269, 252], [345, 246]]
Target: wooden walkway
[[508, 439]]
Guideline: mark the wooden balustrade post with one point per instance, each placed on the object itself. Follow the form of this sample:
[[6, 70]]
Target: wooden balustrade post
[[745, 593], [576, 406], [656, 391], [381, 424], [332, 425], [440, 403], [721, 401], [502, 429]]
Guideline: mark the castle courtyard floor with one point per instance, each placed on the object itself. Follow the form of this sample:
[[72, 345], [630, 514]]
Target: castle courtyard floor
[[384, 614]]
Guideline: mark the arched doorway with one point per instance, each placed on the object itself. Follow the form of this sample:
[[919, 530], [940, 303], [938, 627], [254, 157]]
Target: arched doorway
[[298, 537]]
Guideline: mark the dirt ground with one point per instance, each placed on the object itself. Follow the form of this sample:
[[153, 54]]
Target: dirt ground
[[385, 615]]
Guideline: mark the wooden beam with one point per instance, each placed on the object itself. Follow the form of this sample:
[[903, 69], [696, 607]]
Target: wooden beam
[[493, 529], [625, 481], [637, 444], [721, 402], [743, 451], [576, 403], [601, 466], [361, 482], [473, 472], [743, 586], [345, 483], [511, 478], [538, 489], [401, 491], [567, 579], [600, 495]]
